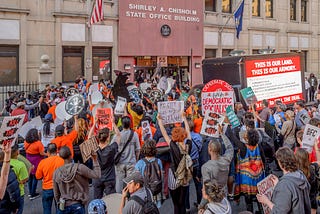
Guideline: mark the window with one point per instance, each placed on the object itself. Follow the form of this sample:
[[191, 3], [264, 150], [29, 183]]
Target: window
[[304, 10], [101, 55], [255, 7], [226, 52], [226, 6], [9, 61], [210, 53], [255, 51], [72, 63], [210, 5], [293, 12], [269, 8]]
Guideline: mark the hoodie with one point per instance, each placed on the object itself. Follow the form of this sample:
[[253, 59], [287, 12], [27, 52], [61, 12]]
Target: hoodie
[[291, 194], [71, 182], [218, 208]]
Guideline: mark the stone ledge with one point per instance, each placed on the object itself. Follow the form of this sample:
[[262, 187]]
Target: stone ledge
[[299, 32], [263, 29], [14, 10]]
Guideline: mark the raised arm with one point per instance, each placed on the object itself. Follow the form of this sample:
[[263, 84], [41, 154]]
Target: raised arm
[[163, 130], [117, 132], [186, 125], [91, 132], [229, 148], [5, 170]]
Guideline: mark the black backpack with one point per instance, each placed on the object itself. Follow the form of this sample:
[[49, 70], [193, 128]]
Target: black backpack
[[152, 176], [148, 207], [267, 144]]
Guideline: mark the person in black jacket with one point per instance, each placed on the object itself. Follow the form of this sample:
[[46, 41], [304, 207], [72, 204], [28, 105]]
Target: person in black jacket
[[11, 199]]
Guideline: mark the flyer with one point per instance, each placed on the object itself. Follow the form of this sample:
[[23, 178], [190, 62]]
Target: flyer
[[210, 124]]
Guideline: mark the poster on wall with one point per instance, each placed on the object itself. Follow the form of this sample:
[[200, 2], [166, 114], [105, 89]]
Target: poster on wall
[[216, 96], [275, 79]]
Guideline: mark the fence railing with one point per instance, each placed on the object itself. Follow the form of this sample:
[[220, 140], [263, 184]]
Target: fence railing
[[23, 88]]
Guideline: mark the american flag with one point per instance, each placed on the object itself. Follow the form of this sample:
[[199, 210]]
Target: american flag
[[97, 12]]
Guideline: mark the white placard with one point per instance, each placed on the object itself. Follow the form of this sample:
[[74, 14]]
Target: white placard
[[34, 123], [10, 128], [170, 112], [121, 103], [146, 131], [210, 124], [96, 97], [310, 135]]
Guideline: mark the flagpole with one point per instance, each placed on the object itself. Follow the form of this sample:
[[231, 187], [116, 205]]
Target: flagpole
[[230, 16]]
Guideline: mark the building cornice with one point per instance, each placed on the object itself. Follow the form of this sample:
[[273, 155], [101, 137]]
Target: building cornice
[[80, 15], [14, 10], [264, 29], [299, 32]]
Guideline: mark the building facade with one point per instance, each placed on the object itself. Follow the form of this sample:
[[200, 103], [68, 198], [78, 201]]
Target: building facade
[[142, 36]]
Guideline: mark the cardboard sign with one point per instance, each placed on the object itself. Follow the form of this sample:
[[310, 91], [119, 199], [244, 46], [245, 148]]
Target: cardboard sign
[[211, 123], [146, 130], [170, 111], [265, 187], [248, 96], [34, 123], [233, 119], [10, 128], [216, 96], [104, 117], [310, 135], [88, 147], [121, 103]]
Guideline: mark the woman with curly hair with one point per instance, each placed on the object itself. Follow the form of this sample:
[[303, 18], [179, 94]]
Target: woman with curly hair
[[34, 153], [180, 143], [81, 137], [291, 191], [214, 193]]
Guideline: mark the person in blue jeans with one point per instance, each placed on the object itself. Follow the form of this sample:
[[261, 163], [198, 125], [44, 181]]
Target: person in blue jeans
[[71, 183], [45, 172]]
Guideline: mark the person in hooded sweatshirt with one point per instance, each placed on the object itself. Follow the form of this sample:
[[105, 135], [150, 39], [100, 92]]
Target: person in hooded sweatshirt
[[291, 191], [214, 193], [71, 183]]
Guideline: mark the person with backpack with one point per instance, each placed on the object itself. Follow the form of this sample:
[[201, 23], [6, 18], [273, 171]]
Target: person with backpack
[[288, 130], [180, 171], [136, 199], [291, 191], [151, 169]]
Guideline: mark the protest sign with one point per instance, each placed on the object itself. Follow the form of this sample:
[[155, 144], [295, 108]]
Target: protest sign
[[61, 112], [310, 135], [104, 117], [170, 111], [75, 104], [304, 118], [88, 147], [216, 96], [101, 104], [233, 119], [34, 123], [121, 103], [9, 129], [96, 96], [248, 96], [146, 130], [265, 187], [113, 201], [211, 123]]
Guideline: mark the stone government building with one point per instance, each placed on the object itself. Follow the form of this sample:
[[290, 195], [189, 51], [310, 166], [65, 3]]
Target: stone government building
[[140, 35]]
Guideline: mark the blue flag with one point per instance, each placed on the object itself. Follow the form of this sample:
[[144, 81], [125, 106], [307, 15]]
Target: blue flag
[[238, 15]]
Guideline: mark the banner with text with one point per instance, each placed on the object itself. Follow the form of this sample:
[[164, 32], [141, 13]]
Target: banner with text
[[9, 129], [265, 187], [275, 79], [216, 96]]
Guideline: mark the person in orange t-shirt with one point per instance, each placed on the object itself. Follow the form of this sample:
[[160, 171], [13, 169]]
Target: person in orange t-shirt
[[63, 139], [45, 171], [198, 122], [52, 110], [34, 153]]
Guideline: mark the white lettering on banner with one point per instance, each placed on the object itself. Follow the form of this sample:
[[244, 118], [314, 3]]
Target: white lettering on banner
[[152, 12]]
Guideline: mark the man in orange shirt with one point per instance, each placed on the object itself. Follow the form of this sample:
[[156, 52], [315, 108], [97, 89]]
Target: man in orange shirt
[[45, 171], [63, 139]]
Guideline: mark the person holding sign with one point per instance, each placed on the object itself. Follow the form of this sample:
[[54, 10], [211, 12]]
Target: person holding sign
[[6, 150], [106, 154], [177, 146], [291, 191]]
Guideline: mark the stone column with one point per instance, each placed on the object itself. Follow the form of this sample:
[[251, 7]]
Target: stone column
[[45, 74]]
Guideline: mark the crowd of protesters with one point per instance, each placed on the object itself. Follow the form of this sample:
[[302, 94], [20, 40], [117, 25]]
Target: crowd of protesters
[[224, 169]]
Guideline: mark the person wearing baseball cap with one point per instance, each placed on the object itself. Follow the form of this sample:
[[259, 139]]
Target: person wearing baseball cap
[[134, 189]]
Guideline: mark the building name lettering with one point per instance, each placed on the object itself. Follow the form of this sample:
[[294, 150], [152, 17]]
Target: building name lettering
[[154, 12]]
